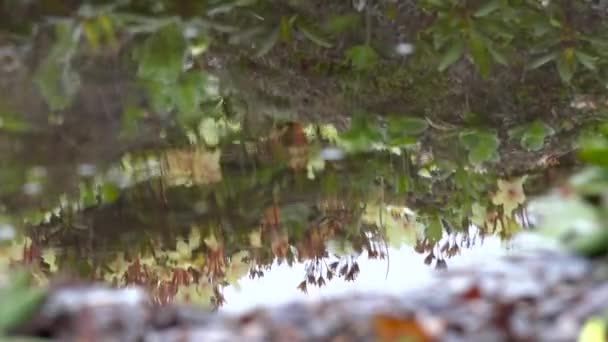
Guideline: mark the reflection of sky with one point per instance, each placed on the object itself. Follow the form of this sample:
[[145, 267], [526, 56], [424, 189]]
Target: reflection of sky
[[407, 272]]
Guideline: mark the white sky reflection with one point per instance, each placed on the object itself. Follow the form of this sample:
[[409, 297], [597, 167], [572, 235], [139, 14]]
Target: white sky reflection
[[407, 272]]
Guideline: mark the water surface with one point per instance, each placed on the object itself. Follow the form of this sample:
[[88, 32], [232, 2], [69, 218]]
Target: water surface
[[207, 160]]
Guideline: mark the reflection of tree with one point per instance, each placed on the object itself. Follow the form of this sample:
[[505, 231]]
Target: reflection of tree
[[187, 239]]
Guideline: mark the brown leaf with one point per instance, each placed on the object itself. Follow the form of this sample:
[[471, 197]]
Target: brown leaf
[[472, 293], [429, 259], [420, 246], [441, 265], [389, 328], [343, 269], [302, 286]]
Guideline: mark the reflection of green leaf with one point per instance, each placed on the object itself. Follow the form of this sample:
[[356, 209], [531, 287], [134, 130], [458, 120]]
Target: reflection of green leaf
[[58, 84], [497, 55], [130, 119], [404, 141], [543, 60], [189, 94], [267, 43], [362, 57], [285, 29], [482, 146], [312, 34], [452, 54], [11, 122], [161, 57], [362, 134], [585, 59], [396, 231], [487, 8], [228, 6], [596, 156], [341, 23], [87, 196], [533, 136], [295, 213], [434, 230], [209, 131], [109, 192], [403, 125], [483, 152], [480, 54], [566, 65], [56, 79], [532, 142], [517, 132]]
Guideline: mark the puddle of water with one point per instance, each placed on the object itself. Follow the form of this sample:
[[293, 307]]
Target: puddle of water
[[205, 174]]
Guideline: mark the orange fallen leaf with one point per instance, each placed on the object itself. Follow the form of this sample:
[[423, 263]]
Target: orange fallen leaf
[[389, 328]]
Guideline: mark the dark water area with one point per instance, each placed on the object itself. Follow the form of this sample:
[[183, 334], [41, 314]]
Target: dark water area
[[230, 161]]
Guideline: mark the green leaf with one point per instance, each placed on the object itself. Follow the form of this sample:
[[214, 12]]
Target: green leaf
[[312, 34], [543, 60], [451, 55], [480, 55], [487, 8], [362, 57], [586, 60]]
